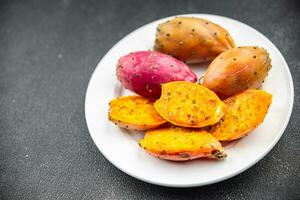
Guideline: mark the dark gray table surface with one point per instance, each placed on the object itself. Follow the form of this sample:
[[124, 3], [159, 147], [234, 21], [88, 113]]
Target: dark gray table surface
[[48, 51]]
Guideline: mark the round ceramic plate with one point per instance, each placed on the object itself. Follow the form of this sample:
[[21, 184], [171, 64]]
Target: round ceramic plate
[[121, 147]]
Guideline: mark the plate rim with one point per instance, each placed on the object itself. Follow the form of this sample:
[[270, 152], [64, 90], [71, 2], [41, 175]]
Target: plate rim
[[270, 147]]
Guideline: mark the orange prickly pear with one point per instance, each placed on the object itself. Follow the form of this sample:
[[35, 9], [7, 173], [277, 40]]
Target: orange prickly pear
[[236, 70], [191, 39]]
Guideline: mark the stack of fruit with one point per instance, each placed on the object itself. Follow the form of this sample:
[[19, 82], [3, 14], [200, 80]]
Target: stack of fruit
[[182, 119]]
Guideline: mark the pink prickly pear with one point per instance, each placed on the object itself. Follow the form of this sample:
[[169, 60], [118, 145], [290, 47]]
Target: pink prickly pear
[[143, 72]]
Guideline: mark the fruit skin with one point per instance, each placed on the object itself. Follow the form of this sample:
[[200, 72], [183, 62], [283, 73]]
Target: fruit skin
[[181, 144], [236, 70], [192, 40], [135, 113], [243, 113], [189, 105], [143, 72]]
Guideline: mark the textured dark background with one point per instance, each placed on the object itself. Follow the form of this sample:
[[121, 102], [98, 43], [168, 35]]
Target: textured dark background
[[48, 51]]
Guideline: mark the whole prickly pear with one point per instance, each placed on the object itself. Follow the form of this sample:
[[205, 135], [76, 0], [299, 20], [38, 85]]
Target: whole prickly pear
[[236, 70], [143, 72], [192, 40]]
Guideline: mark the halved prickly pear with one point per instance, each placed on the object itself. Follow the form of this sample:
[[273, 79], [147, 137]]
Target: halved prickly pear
[[192, 40], [243, 113], [189, 105], [236, 70], [143, 72], [181, 144], [134, 112]]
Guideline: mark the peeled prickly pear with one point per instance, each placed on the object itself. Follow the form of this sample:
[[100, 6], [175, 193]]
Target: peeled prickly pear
[[236, 70], [192, 40], [143, 72]]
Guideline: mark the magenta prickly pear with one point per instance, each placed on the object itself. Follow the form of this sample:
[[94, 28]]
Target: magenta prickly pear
[[143, 72]]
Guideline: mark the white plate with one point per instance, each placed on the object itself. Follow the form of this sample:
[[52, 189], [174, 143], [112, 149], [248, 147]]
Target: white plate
[[121, 148]]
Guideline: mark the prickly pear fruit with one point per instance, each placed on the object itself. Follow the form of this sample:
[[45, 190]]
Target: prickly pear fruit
[[181, 144], [236, 70], [243, 113], [192, 40], [189, 105], [134, 112], [143, 72]]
